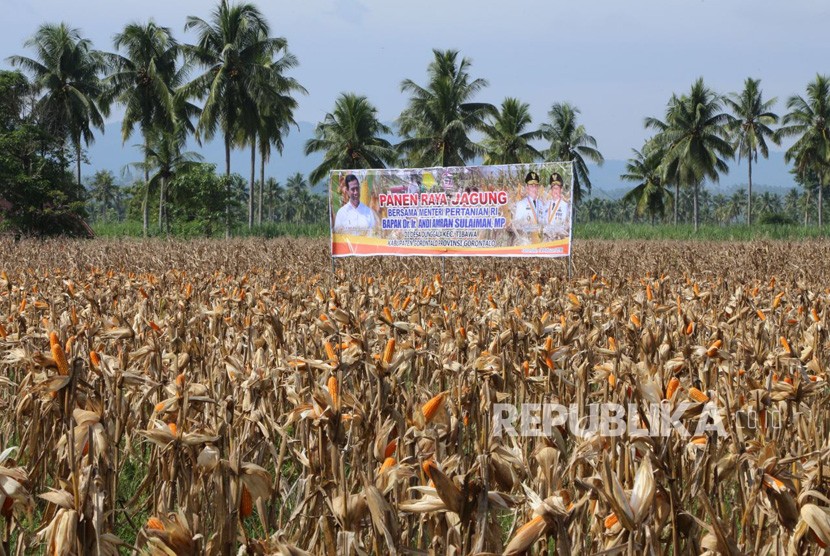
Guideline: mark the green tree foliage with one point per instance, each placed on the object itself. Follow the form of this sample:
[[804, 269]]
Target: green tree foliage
[[808, 120], [569, 141], [350, 137], [66, 70], [437, 122], [507, 137], [199, 199], [694, 137], [750, 128], [37, 193]]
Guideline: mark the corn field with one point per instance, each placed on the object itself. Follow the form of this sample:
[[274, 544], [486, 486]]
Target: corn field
[[237, 398]]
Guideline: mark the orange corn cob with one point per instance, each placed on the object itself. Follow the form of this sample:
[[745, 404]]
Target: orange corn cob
[[173, 428], [672, 387], [246, 504], [612, 380], [690, 328], [389, 351], [58, 354], [611, 520], [699, 440], [3, 332], [430, 409], [777, 300], [696, 290], [635, 320], [387, 313], [761, 314], [786, 345], [155, 523], [697, 395], [22, 306], [526, 369], [814, 314], [713, 349], [574, 299], [331, 385], [612, 343], [548, 344], [387, 463], [330, 352], [649, 295]]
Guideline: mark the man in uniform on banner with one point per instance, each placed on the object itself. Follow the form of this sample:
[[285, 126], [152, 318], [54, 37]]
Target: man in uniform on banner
[[529, 214], [354, 217], [557, 225]]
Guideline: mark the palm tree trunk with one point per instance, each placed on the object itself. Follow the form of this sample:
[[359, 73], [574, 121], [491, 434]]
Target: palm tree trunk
[[261, 187], [676, 201], [145, 205], [253, 186], [78, 162], [695, 207], [820, 187], [162, 192], [227, 185], [749, 195]]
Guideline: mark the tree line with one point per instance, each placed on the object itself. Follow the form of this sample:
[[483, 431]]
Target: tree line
[[233, 83]]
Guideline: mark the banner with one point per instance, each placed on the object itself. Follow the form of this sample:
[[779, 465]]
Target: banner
[[514, 210]]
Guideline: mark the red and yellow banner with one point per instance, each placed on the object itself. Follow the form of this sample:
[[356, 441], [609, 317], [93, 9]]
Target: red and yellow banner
[[517, 210]]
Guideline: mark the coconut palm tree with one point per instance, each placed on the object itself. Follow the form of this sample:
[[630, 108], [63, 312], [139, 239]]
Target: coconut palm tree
[[808, 119], [350, 137], [749, 126], [103, 191], [240, 79], [274, 125], [570, 142], [163, 153], [694, 137], [143, 81], [437, 122], [67, 70], [507, 140], [649, 196]]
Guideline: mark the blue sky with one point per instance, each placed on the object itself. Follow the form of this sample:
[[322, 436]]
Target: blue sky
[[617, 61]]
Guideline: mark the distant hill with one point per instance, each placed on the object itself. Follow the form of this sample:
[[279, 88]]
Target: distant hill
[[108, 153]]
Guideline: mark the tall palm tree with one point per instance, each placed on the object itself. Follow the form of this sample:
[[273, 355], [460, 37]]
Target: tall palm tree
[[296, 189], [695, 139], [350, 137], [143, 80], [163, 154], [274, 125], [791, 200], [570, 142], [274, 109], [736, 203], [808, 119], [649, 196], [437, 122], [102, 190], [749, 126], [67, 70], [237, 53], [506, 139]]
